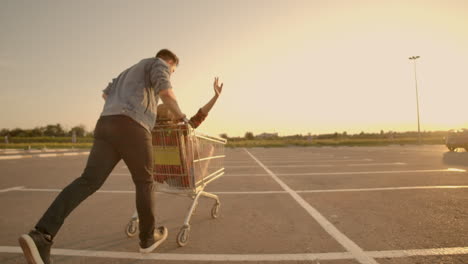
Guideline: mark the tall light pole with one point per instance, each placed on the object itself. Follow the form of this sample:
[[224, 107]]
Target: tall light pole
[[414, 58]]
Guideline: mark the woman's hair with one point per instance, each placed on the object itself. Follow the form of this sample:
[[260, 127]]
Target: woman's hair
[[163, 114]]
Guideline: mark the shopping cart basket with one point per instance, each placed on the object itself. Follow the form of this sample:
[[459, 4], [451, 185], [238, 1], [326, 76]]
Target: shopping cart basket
[[185, 161]]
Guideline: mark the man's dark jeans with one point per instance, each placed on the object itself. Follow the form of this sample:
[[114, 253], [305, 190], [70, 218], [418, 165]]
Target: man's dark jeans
[[115, 137]]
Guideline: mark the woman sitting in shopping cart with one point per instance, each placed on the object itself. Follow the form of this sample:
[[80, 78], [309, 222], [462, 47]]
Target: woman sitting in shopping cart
[[165, 119]]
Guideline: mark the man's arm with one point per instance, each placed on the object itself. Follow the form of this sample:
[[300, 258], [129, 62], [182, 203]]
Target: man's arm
[[160, 77], [169, 99], [106, 91]]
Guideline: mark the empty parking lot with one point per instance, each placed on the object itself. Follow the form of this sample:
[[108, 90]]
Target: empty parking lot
[[395, 204]]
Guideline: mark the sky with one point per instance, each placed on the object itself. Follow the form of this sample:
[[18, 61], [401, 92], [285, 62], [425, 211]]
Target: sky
[[290, 67]]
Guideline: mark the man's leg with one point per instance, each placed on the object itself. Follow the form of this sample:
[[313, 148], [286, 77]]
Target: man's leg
[[101, 161], [139, 160], [137, 152]]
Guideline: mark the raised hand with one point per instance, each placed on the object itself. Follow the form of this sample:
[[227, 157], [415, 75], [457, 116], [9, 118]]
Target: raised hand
[[217, 88]]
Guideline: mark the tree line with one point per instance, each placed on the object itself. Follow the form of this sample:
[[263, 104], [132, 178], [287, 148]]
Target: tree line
[[56, 130], [340, 136]]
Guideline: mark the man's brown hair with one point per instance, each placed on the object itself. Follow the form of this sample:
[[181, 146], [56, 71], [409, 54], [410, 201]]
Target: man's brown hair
[[166, 54]]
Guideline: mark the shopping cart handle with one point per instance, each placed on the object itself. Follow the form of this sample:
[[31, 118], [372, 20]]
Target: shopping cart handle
[[185, 121]]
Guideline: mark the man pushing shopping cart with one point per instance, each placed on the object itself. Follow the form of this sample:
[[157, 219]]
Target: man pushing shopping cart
[[123, 131]]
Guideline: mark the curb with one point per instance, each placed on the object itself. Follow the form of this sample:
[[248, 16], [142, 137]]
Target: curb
[[10, 157]]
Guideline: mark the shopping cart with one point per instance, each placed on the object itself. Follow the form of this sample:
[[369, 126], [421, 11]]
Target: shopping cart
[[185, 161]]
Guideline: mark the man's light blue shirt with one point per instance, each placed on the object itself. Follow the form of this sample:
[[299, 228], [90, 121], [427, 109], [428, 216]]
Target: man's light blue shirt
[[134, 92]]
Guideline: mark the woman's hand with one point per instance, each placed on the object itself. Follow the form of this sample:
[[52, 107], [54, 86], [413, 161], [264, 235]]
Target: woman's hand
[[217, 88]]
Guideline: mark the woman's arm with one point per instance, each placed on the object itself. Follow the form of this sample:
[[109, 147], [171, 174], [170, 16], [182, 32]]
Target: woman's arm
[[218, 89]]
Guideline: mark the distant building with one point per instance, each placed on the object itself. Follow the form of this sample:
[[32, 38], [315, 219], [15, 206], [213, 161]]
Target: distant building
[[267, 135]]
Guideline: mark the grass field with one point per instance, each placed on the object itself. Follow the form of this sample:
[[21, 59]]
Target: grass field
[[83, 143]]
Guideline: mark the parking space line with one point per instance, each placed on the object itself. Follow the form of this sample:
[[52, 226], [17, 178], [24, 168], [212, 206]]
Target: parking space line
[[304, 159], [341, 238], [387, 189], [321, 165], [377, 164], [121, 174], [46, 155], [285, 166], [419, 252], [245, 257], [15, 157], [23, 189], [296, 161], [253, 192], [189, 257], [371, 172], [246, 175], [16, 188]]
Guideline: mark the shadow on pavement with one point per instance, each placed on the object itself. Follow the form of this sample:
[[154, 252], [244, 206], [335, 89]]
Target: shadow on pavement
[[456, 158]]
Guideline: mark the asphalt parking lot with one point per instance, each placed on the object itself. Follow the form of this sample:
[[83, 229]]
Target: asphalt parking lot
[[343, 205]]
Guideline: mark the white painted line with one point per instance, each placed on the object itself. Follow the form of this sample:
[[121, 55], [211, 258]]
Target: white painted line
[[16, 188], [301, 159], [377, 164], [387, 189], [285, 166], [23, 189], [246, 175], [245, 257], [190, 257], [293, 161], [341, 238], [46, 155], [71, 154], [110, 191], [419, 252], [322, 165], [39, 190], [121, 174], [253, 192], [14, 157], [369, 172], [456, 170]]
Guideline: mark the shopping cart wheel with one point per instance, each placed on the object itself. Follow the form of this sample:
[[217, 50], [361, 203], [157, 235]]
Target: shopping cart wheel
[[183, 236], [215, 210], [132, 228]]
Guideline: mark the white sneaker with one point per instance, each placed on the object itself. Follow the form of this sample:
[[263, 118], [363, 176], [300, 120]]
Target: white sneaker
[[160, 234]]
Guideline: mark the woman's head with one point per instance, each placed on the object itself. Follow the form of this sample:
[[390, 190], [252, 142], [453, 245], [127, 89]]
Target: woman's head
[[164, 114]]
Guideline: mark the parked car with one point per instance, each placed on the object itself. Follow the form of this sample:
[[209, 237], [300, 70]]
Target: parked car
[[457, 139]]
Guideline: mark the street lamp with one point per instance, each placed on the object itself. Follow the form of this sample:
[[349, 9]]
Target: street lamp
[[414, 58]]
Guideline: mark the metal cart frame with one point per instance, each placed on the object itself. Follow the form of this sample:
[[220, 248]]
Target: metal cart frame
[[185, 161]]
